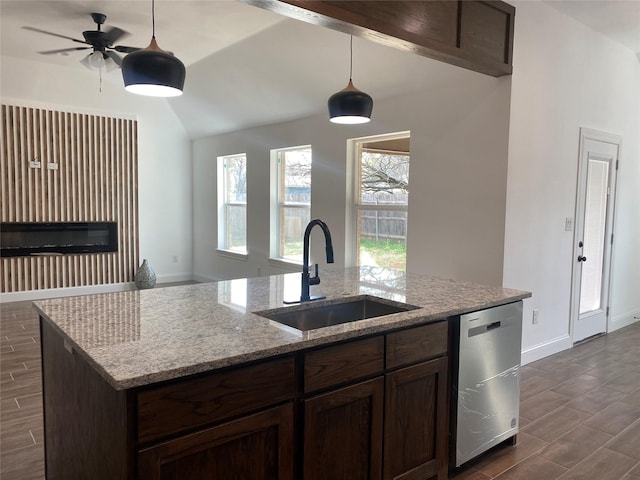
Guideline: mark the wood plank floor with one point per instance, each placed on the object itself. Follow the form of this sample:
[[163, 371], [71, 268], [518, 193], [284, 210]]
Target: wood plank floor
[[21, 431], [580, 410]]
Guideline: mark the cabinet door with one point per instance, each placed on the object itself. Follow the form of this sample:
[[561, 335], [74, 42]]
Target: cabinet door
[[343, 433], [416, 422], [256, 447]]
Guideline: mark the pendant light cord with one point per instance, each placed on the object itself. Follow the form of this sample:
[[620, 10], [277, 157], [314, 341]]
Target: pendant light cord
[[153, 18], [351, 59]]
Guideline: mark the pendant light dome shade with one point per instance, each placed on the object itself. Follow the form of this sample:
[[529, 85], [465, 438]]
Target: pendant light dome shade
[[350, 106], [153, 72]]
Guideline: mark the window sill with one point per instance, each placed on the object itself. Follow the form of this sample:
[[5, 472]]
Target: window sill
[[233, 254], [282, 263]]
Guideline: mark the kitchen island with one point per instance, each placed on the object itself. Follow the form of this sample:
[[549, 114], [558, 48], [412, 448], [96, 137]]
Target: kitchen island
[[179, 381]]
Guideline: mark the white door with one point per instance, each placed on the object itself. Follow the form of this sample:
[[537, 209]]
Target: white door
[[598, 164]]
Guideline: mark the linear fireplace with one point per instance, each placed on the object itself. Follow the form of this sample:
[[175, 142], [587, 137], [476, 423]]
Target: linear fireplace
[[60, 238]]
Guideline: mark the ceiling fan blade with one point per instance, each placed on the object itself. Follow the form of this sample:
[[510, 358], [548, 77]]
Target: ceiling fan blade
[[115, 57], [55, 35], [123, 49], [113, 34], [62, 50]]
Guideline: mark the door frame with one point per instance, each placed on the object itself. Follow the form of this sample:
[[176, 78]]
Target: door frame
[[576, 273]]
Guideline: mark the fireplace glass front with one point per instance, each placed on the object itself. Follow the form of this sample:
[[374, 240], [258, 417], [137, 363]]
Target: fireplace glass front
[[60, 238]]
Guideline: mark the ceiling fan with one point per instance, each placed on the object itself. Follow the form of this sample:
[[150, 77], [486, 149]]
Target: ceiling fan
[[101, 41]]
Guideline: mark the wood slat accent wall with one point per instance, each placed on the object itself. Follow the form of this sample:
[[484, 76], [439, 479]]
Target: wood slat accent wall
[[88, 172]]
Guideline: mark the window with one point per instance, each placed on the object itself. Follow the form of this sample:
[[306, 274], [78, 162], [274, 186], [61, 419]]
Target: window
[[291, 201], [232, 203], [377, 222]]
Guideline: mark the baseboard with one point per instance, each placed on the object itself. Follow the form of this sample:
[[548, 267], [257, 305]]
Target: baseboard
[[199, 277], [543, 350], [174, 277], [625, 320], [29, 295]]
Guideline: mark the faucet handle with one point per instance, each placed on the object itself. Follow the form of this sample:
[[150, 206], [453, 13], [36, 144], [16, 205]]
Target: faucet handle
[[315, 280]]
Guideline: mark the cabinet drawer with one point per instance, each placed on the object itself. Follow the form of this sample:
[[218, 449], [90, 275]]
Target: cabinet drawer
[[343, 363], [257, 446], [191, 403], [416, 344]]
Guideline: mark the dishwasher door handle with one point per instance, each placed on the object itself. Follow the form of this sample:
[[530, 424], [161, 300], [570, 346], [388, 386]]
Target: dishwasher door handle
[[484, 328]]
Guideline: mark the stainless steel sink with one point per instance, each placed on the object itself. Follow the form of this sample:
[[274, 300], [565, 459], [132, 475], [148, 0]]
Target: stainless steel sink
[[312, 316]]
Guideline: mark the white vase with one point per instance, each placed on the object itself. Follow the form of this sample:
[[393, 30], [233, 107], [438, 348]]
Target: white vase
[[145, 276]]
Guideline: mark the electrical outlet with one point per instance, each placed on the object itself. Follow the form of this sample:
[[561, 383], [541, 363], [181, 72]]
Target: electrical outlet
[[568, 224], [52, 166], [534, 318], [174, 259], [34, 164]]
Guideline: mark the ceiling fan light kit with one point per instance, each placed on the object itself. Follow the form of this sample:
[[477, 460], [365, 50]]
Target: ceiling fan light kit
[[98, 60], [93, 61], [153, 71], [350, 105]]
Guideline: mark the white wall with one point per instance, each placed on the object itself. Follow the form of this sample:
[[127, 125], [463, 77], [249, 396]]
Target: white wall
[[164, 160], [566, 76], [459, 140]]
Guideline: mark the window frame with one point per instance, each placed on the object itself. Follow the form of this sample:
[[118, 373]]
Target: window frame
[[354, 194], [224, 207], [278, 203]]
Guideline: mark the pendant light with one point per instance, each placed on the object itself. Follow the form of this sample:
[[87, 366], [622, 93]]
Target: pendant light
[[350, 105], [152, 71]]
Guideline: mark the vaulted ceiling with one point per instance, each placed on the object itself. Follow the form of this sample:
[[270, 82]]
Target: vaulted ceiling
[[245, 66], [617, 19]]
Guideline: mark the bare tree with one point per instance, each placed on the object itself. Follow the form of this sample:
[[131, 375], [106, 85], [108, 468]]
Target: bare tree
[[381, 173], [237, 174], [385, 173]]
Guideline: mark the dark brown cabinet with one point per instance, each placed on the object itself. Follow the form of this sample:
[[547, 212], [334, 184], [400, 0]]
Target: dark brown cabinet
[[416, 403], [255, 447], [415, 424], [166, 410], [343, 427], [370, 408], [205, 427], [343, 433]]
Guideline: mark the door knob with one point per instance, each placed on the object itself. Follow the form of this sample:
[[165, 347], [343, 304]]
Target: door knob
[[581, 258]]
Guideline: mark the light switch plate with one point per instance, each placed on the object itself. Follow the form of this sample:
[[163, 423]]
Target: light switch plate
[[568, 224]]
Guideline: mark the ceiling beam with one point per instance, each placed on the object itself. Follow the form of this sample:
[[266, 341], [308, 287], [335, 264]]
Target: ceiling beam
[[472, 34]]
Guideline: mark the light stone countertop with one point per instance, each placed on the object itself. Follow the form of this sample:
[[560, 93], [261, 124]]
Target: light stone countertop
[[136, 338]]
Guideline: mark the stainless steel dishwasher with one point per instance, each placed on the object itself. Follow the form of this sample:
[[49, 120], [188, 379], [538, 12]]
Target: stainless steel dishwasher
[[486, 380]]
